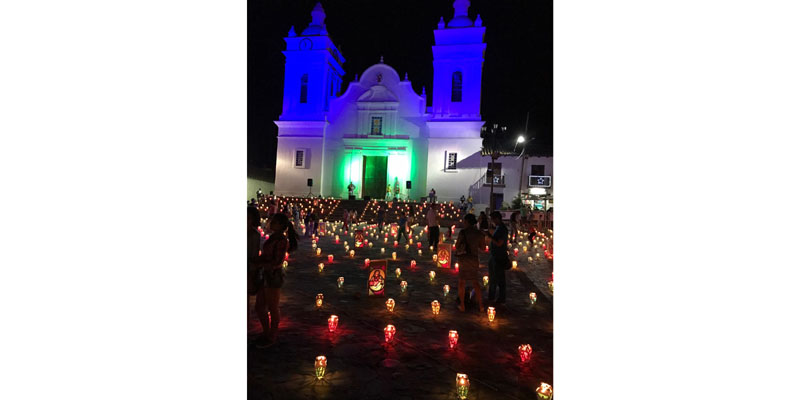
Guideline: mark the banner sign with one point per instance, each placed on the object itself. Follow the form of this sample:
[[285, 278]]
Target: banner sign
[[377, 277], [443, 255]]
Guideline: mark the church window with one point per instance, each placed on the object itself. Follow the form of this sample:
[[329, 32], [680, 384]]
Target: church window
[[455, 94], [304, 88], [299, 158], [537, 170], [377, 126], [452, 161]]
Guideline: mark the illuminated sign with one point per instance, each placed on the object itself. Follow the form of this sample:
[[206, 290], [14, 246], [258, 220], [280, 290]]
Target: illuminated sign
[[377, 277], [539, 181]]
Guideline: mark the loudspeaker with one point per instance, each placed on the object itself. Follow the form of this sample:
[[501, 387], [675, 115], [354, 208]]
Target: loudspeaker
[[310, 182], [408, 184]]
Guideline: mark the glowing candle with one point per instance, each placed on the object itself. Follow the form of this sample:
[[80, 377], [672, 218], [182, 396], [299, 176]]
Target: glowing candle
[[394, 255], [453, 337], [389, 332], [434, 258], [490, 312], [550, 285], [353, 253], [395, 243], [525, 248], [456, 266], [330, 258], [319, 299], [413, 263], [390, 305], [406, 247], [286, 256], [525, 351], [285, 264], [462, 386], [366, 262], [385, 240], [514, 264], [532, 296], [430, 248], [419, 245], [432, 275], [313, 245], [319, 251], [403, 286], [419, 252], [485, 280], [516, 252], [383, 250], [370, 245], [397, 272], [538, 255], [544, 391], [487, 249], [435, 307], [333, 322], [320, 267], [530, 259], [446, 290], [319, 366]]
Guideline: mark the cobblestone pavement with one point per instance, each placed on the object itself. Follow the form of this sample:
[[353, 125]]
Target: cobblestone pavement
[[419, 363]]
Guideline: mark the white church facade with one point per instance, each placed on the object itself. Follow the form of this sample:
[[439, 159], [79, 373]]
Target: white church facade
[[378, 133]]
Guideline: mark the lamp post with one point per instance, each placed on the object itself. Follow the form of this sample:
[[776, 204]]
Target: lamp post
[[495, 154]]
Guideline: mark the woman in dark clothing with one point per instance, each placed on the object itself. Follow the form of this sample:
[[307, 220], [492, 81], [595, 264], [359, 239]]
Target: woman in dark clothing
[[468, 245], [283, 239]]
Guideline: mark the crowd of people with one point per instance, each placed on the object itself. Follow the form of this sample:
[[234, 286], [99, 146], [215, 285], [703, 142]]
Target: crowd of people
[[265, 257]]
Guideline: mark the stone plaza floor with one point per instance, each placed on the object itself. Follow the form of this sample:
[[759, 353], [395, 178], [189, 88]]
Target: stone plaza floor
[[419, 363]]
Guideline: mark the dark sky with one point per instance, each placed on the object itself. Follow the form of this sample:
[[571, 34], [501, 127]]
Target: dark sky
[[517, 71]]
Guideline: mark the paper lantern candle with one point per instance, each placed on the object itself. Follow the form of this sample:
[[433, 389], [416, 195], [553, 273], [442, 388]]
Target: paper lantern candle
[[532, 296], [319, 251], [319, 366], [516, 252], [544, 391], [419, 252], [353, 253], [330, 258], [390, 305], [490, 312], [377, 278], [453, 338], [333, 322], [514, 264], [359, 238], [285, 264], [383, 250], [435, 257], [486, 249], [320, 267], [485, 280], [525, 352], [435, 307], [366, 262], [432, 275], [319, 299], [403, 286], [462, 386], [397, 272], [286, 256], [388, 333], [550, 285], [446, 290], [395, 244], [394, 255], [456, 265], [443, 255], [419, 245], [413, 263]]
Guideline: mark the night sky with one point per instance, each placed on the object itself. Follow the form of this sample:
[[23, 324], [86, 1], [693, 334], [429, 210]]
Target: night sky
[[517, 71]]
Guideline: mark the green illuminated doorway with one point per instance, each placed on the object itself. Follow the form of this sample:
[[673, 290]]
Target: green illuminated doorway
[[374, 177]]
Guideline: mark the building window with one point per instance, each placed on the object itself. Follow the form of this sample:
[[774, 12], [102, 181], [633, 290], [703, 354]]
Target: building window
[[537, 170], [377, 126], [299, 158], [304, 88], [452, 161], [455, 94]]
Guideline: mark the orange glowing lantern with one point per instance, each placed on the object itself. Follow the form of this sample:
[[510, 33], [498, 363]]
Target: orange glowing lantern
[[319, 251], [353, 253], [453, 337], [446, 290], [490, 312], [544, 391], [285, 264], [330, 258], [319, 299], [432, 275], [514, 264], [397, 272], [319, 366], [403, 286], [320, 267], [532, 296], [333, 322], [462, 386], [525, 352], [390, 305], [388, 333], [435, 307], [485, 280], [419, 252], [435, 257], [394, 255], [550, 285]]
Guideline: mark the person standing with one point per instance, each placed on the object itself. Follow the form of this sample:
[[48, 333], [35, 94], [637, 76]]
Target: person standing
[[468, 245], [381, 216], [402, 225], [432, 219], [350, 189], [346, 221], [514, 224], [483, 222], [498, 258], [431, 195]]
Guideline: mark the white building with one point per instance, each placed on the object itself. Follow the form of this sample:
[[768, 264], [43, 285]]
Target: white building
[[377, 132]]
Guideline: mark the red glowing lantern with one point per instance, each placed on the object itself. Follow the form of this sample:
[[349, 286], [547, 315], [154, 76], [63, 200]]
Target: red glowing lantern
[[388, 333], [419, 245], [525, 352], [490, 312], [359, 237], [516, 252], [453, 337], [366, 262], [390, 305], [333, 322], [330, 258], [286, 257]]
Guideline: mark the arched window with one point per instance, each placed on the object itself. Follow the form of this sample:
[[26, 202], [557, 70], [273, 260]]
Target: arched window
[[304, 88], [455, 94]]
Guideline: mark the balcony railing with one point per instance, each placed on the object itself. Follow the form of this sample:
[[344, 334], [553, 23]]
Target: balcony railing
[[499, 180]]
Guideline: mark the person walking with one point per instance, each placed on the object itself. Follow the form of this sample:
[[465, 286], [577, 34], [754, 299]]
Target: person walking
[[282, 240], [498, 258], [468, 244], [432, 219]]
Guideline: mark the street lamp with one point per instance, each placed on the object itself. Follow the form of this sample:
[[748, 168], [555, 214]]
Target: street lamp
[[520, 139]]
